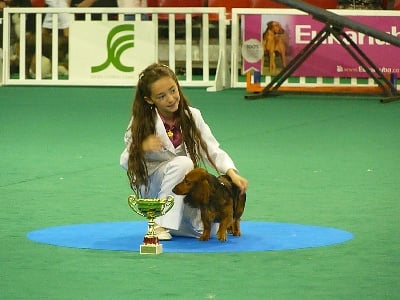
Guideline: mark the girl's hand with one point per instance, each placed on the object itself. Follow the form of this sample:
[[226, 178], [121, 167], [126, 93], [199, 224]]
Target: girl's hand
[[238, 180], [152, 143]]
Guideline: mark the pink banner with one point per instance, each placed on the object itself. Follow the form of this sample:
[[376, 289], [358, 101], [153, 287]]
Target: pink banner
[[330, 59]]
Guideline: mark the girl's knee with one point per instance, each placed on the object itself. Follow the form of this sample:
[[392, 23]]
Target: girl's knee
[[181, 165], [185, 163]]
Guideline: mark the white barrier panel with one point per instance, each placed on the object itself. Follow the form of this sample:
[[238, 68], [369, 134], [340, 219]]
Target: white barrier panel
[[123, 50], [191, 40]]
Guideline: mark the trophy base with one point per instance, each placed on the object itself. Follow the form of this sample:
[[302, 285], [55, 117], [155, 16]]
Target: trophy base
[[151, 249]]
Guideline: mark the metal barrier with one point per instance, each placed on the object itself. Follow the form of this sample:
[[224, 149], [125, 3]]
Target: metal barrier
[[189, 40]]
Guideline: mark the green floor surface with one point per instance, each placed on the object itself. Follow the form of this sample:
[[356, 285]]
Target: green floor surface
[[322, 160]]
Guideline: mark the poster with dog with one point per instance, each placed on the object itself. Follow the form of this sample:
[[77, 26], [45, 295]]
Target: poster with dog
[[271, 41]]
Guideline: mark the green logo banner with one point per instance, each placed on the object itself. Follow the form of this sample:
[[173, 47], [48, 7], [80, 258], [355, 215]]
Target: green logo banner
[[119, 39]]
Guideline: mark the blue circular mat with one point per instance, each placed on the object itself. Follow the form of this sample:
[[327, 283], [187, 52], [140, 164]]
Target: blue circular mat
[[127, 236]]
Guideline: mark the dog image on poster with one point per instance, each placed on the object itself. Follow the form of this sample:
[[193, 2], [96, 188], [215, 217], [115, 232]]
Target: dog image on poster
[[275, 41]]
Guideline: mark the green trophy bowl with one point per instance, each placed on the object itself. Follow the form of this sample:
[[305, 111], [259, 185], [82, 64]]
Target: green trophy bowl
[[150, 208]]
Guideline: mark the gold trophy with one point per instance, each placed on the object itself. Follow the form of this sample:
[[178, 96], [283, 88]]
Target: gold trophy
[[150, 208]]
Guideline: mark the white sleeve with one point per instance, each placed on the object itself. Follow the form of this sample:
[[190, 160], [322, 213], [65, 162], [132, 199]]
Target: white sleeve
[[123, 160], [219, 157]]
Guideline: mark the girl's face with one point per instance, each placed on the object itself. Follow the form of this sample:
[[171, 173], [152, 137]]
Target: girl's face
[[165, 96]]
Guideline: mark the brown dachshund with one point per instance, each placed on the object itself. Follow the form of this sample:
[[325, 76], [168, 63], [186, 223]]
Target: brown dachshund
[[218, 199]]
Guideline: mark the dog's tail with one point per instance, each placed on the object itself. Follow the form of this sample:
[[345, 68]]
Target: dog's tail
[[239, 200]]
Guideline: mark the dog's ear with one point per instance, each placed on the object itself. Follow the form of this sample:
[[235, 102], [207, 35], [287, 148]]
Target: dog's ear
[[202, 191]]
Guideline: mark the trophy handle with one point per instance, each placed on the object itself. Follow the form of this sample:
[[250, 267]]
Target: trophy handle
[[132, 201], [169, 203]]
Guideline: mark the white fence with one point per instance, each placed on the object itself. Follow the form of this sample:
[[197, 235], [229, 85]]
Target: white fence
[[194, 46]]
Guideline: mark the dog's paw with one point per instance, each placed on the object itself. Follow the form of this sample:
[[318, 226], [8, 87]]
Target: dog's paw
[[204, 237], [221, 236], [236, 233]]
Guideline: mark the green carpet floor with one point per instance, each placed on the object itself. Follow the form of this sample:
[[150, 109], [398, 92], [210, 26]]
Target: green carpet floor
[[310, 159]]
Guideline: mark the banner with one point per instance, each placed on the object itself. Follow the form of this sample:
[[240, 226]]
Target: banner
[[283, 36], [113, 52]]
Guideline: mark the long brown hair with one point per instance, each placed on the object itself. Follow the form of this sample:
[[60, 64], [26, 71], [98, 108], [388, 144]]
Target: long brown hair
[[143, 125]]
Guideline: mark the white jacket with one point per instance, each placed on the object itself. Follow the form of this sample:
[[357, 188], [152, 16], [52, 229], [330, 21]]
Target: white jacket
[[220, 158]]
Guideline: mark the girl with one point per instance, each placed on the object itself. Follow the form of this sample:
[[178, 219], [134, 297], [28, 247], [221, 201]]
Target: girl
[[166, 138]]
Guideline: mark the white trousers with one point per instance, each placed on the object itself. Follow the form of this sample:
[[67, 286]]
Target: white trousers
[[181, 220]]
